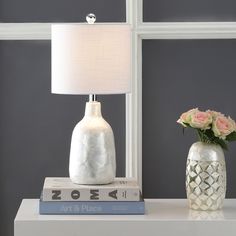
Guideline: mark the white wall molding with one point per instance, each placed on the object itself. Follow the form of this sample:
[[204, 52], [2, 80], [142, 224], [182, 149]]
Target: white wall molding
[[25, 31], [177, 30], [129, 166], [133, 108], [187, 30]]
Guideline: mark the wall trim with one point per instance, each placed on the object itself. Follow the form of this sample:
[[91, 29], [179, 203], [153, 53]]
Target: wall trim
[[25, 31], [188, 30], [176, 30]]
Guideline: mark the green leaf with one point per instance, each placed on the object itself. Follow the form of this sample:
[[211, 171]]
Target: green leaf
[[222, 143], [231, 137], [207, 136], [203, 136], [210, 135], [186, 124]]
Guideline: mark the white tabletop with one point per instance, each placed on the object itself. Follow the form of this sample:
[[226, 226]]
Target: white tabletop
[[163, 217]]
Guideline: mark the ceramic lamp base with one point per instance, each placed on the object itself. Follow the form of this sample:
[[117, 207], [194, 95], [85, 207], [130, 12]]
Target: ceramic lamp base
[[92, 154]]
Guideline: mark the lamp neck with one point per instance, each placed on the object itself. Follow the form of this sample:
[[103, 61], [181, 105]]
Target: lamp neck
[[93, 109], [92, 97]]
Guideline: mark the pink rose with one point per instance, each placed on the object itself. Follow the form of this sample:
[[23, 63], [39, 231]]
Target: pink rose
[[214, 114], [233, 124], [201, 120], [186, 117], [223, 126]]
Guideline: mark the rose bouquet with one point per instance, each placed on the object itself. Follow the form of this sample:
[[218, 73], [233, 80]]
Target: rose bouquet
[[211, 126]]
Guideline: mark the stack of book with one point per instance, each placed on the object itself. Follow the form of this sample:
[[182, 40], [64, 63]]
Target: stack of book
[[62, 197]]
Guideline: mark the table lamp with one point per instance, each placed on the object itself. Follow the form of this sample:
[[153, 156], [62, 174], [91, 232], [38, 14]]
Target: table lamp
[[91, 59]]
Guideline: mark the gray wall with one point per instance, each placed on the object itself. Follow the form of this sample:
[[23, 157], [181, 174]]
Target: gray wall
[[179, 75], [189, 10], [61, 10], [35, 125]]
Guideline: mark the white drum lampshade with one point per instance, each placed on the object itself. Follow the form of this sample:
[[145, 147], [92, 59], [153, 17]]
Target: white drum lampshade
[[91, 59]]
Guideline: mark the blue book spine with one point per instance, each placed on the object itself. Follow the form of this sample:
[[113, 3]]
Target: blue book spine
[[91, 208]]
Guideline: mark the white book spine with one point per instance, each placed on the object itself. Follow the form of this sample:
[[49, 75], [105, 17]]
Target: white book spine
[[94, 194]]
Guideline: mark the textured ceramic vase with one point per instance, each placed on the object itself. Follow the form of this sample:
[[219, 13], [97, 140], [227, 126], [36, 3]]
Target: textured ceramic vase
[[92, 155], [205, 177]]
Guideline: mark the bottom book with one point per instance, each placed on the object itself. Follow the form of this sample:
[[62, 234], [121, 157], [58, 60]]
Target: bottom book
[[91, 208]]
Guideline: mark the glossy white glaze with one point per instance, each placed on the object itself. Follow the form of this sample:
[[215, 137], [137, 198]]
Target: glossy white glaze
[[92, 154]]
